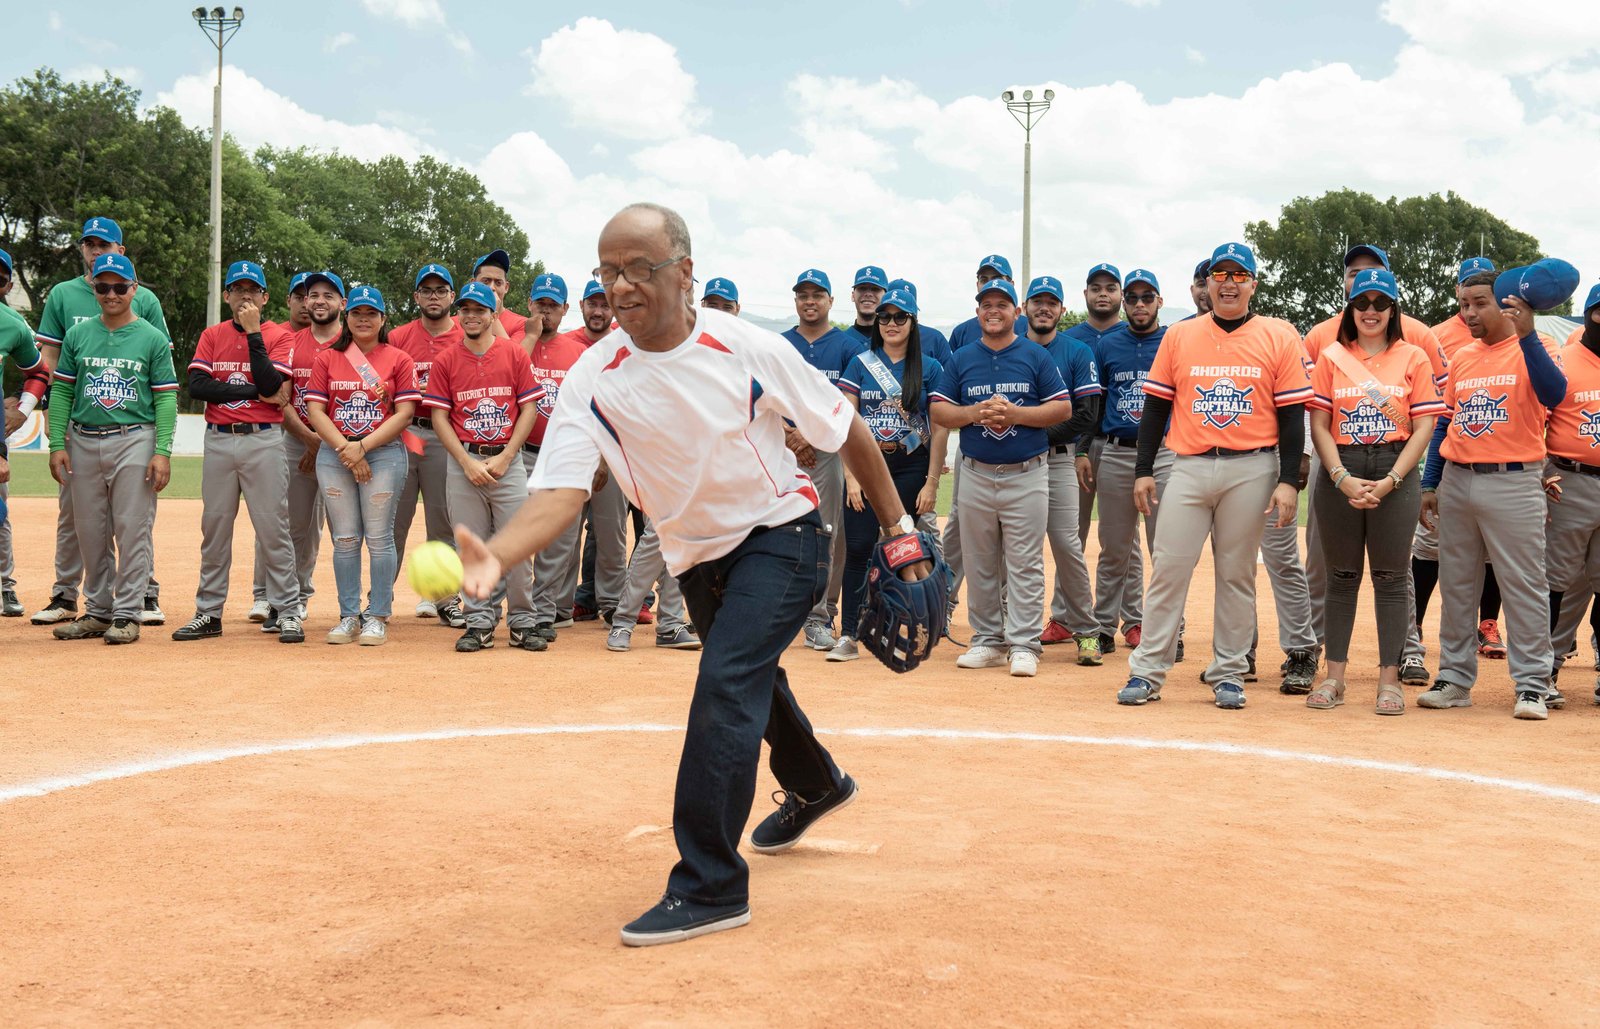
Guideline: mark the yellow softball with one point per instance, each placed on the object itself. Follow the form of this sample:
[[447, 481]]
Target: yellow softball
[[435, 571]]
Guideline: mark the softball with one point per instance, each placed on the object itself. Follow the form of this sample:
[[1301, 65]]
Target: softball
[[435, 571]]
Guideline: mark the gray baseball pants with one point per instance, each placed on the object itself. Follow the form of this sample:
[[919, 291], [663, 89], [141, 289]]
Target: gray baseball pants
[[951, 540], [1572, 554], [305, 525], [647, 569], [606, 515], [8, 560], [1004, 511], [1291, 595], [113, 516], [251, 464], [1073, 602], [828, 475], [69, 552], [425, 474], [555, 568], [484, 510], [1119, 575]]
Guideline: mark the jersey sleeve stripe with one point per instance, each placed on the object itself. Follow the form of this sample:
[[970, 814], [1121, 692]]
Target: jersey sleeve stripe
[[64, 377], [429, 400], [283, 368], [315, 394], [163, 387], [936, 395], [201, 363], [1288, 398], [1090, 390], [1427, 408], [1318, 402], [1159, 389], [528, 396]]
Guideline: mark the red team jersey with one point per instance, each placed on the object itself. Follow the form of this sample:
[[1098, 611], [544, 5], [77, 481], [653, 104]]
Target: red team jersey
[[413, 337], [550, 363], [1495, 417], [483, 394], [1573, 429], [1412, 331], [304, 349], [1402, 370], [1226, 387], [580, 335], [354, 409], [224, 353]]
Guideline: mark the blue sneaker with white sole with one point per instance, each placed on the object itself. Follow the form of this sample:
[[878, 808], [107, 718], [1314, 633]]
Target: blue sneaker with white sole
[[1229, 695], [1138, 691]]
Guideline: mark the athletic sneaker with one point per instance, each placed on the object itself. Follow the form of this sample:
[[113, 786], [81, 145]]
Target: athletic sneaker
[[450, 614], [87, 627], [151, 615], [982, 657], [1298, 673], [682, 639], [844, 650], [474, 640], [1138, 691], [291, 629], [270, 623], [1530, 706], [1489, 642], [1179, 655], [546, 631], [200, 627], [1228, 695], [819, 636], [1554, 699], [1054, 632], [580, 613], [1250, 667], [1132, 634], [123, 630], [561, 623], [1108, 644], [374, 633], [10, 606], [619, 640], [528, 639], [1024, 664], [646, 616], [258, 611], [1088, 650], [346, 631], [796, 815], [427, 609], [674, 920], [1445, 694], [60, 609], [1413, 672]]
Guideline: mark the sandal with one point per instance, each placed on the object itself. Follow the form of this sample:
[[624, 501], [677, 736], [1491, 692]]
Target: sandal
[[1391, 700], [1327, 696]]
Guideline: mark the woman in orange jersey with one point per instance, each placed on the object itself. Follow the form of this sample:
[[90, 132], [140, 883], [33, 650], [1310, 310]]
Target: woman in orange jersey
[[1372, 416]]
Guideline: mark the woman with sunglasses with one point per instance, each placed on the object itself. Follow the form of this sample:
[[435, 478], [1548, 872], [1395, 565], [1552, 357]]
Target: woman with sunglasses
[[889, 384], [361, 397], [1372, 416]]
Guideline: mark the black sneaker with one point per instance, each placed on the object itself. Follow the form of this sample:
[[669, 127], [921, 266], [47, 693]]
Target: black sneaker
[[200, 627], [291, 629], [796, 815], [1554, 699], [545, 631], [450, 614], [474, 640], [673, 920], [272, 623], [1298, 672], [528, 639], [1108, 644], [10, 606], [1250, 668]]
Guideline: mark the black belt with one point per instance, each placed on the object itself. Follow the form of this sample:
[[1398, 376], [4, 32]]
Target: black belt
[[240, 428], [898, 447], [1569, 465], [531, 448], [484, 449], [1225, 452], [1126, 442], [101, 431], [1062, 448], [1391, 447], [422, 423], [1509, 466]]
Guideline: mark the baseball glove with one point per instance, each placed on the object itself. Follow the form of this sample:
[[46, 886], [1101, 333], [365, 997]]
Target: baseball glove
[[901, 621]]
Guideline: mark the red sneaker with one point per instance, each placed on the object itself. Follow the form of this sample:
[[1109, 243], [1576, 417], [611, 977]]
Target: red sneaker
[[645, 617], [1055, 632], [1133, 634], [1489, 642], [584, 614]]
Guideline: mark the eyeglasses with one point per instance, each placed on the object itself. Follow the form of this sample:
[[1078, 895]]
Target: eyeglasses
[[119, 288], [897, 317], [1135, 299], [637, 272], [433, 292], [1240, 276], [1377, 303]]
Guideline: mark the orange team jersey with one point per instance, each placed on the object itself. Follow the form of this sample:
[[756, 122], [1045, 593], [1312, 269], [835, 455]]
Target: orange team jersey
[[1226, 387], [1412, 331], [414, 338], [1573, 429], [1403, 372], [223, 353], [483, 394], [1495, 417], [1452, 334], [551, 361]]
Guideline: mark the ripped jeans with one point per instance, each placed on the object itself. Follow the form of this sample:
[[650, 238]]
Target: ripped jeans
[[358, 511]]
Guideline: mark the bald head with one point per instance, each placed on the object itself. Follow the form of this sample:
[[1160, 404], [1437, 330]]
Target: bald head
[[648, 274], [645, 220]]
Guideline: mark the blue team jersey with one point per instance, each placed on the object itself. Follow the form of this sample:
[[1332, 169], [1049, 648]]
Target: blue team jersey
[[1024, 372], [1125, 359], [1090, 336], [970, 331], [934, 344], [882, 415], [830, 354], [1076, 363]]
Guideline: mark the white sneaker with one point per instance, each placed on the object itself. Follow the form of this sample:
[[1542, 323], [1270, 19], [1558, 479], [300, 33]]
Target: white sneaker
[[1445, 695], [1023, 663], [427, 609], [373, 632], [346, 631], [982, 657], [152, 615], [258, 611], [844, 650]]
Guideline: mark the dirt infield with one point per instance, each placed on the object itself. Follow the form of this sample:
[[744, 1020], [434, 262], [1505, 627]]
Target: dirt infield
[[237, 832]]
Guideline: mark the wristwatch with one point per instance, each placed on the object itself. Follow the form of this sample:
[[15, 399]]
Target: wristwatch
[[905, 525]]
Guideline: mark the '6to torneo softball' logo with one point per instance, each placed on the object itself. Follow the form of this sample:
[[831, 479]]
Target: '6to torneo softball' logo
[[1365, 424], [1223, 404], [547, 403], [1480, 413], [1589, 429], [489, 422], [359, 414], [110, 390], [237, 379]]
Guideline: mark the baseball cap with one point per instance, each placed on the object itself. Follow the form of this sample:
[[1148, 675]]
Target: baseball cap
[[996, 262], [116, 264], [101, 228], [1142, 275], [245, 271], [478, 293], [899, 298], [548, 287], [1238, 253], [1375, 280], [872, 275], [438, 271], [1368, 249], [5, 259], [298, 281], [814, 277], [1594, 298], [1046, 285], [1202, 269], [723, 288], [499, 258], [592, 288], [312, 278], [903, 284], [1542, 285], [1000, 285], [1103, 269], [366, 296], [1472, 266]]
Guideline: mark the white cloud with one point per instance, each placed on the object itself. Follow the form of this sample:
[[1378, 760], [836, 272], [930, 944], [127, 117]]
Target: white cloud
[[577, 67], [1517, 42], [1193, 56], [419, 16], [336, 43]]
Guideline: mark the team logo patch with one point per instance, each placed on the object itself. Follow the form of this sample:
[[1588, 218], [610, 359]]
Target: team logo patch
[[489, 421], [1365, 424], [547, 403], [422, 371], [1223, 404], [1590, 429], [1130, 403], [237, 379], [359, 414], [110, 390], [885, 420], [1480, 413]]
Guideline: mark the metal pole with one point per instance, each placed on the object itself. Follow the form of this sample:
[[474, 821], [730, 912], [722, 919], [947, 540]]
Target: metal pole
[[214, 285], [1027, 210]]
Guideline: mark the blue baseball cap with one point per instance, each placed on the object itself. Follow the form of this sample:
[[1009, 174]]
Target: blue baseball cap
[[1472, 266], [1142, 275], [1046, 285], [101, 228], [1202, 269], [548, 287], [872, 275], [996, 262], [1103, 269], [298, 281], [1594, 298], [1367, 249], [1238, 253], [1375, 280], [998, 285], [814, 277], [245, 271], [905, 301], [723, 288], [438, 271], [592, 288], [312, 278], [479, 294], [366, 296], [5, 259], [498, 258], [903, 284], [116, 264]]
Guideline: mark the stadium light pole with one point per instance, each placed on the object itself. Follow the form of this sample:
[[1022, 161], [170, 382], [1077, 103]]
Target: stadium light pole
[[1027, 111], [219, 27]]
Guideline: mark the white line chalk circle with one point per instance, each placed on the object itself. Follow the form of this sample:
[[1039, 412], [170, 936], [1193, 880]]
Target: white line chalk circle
[[189, 759]]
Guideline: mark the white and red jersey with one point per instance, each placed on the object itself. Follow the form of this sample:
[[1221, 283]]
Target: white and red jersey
[[550, 362], [303, 348], [695, 436], [223, 353], [356, 410], [414, 338], [484, 393]]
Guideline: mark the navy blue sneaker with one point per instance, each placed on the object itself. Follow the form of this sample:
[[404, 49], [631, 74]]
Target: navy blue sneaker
[[796, 815], [1229, 694], [1138, 691], [673, 920]]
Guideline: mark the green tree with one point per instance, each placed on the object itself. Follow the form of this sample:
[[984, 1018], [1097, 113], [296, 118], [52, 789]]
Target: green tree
[[1071, 318], [1301, 255]]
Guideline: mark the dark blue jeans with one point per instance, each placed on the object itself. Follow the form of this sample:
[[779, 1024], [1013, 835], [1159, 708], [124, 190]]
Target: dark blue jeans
[[747, 606], [861, 531]]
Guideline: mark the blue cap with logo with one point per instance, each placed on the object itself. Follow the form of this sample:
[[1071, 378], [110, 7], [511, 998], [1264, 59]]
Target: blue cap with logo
[[593, 288], [996, 262], [1103, 269], [1594, 298], [5, 259], [1366, 249], [548, 287], [814, 277], [101, 228], [298, 281], [723, 288], [872, 275], [116, 264], [366, 296], [1238, 253], [477, 293], [1202, 269], [438, 271], [312, 278], [245, 271], [998, 286], [901, 299], [1375, 280], [903, 284], [1472, 266], [1045, 285], [499, 258], [1142, 275]]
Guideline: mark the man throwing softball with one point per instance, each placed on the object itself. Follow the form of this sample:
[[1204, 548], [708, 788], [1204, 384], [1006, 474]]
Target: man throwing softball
[[742, 535]]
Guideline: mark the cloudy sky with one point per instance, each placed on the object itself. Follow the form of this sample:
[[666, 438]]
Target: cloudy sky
[[838, 134]]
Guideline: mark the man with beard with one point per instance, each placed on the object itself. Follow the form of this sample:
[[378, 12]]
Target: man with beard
[[870, 285], [596, 311]]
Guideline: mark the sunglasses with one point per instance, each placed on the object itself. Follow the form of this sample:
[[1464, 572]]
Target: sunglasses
[[897, 317], [119, 288], [1366, 303], [1135, 299], [1240, 276]]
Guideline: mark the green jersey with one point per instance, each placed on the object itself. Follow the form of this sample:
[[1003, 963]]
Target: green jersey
[[115, 375], [16, 340], [72, 302]]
